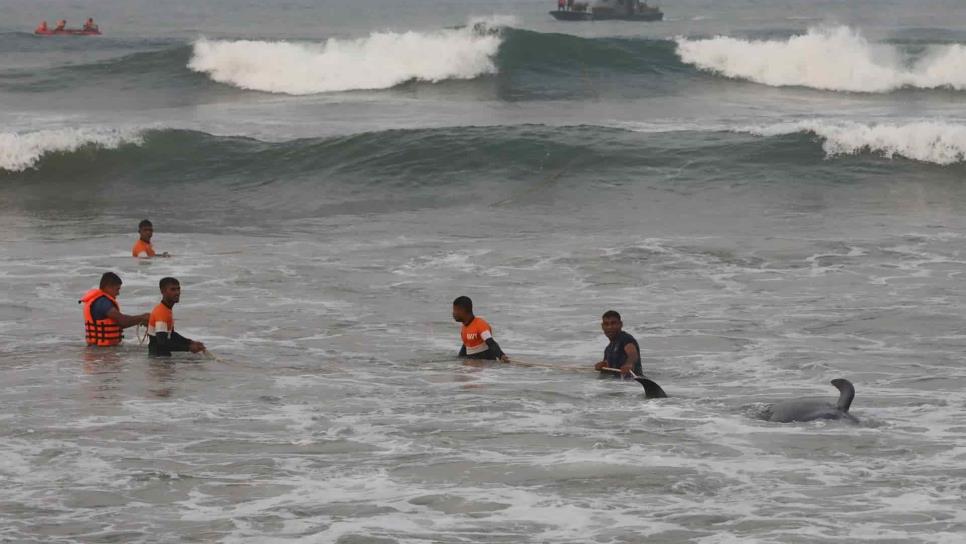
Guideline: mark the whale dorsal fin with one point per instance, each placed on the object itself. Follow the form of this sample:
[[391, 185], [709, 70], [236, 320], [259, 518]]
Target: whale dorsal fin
[[651, 389], [846, 393]]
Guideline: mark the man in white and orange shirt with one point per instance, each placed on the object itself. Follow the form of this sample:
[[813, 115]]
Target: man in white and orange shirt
[[477, 336], [143, 247], [164, 339]]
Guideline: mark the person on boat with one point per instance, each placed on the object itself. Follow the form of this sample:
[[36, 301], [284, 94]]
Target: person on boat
[[61, 25], [163, 338], [623, 352], [42, 27], [89, 26], [477, 336], [570, 5], [561, 4], [143, 247], [103, 320]]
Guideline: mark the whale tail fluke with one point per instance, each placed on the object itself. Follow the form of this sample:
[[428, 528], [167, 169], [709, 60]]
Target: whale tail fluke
[[651, 389], [846, 393]]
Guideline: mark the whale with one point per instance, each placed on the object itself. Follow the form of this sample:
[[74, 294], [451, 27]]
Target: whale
[[800, 410]]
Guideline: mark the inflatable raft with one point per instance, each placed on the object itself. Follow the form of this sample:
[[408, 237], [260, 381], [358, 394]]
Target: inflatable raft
[[68, 32]]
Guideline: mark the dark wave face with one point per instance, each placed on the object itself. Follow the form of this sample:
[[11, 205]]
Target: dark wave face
[[413, 169]]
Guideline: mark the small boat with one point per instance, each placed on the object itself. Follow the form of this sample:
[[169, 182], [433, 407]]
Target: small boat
[[609, 10], [68, 32]]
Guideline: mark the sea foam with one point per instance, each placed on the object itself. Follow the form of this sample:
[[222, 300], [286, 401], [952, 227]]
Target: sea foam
[[379, 61], [936, 142], [831, 58], [22, 150]]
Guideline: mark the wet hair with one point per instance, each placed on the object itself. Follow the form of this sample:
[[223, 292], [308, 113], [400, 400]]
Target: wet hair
[[110, 279], [145, 223], [611, 314], [464, 303], [167, 281]]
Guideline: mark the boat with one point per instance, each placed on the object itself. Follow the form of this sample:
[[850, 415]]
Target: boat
[[609, 10], [68, 32]]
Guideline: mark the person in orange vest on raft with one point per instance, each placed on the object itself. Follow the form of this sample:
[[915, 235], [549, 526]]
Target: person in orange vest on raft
[[89, 26], [164, 339], [42, 27], [61, 24], [477, 336], [143, 247], [103, 321]]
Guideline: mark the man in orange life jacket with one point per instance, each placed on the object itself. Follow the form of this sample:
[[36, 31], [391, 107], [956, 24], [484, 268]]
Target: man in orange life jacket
[[143, 247], [623, 351], [161, 324], [103, 320], [478, 342]]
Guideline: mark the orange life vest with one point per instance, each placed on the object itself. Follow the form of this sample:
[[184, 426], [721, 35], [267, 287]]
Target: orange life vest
[[161, 320], [475, 336], [142, 247], [102, 332]]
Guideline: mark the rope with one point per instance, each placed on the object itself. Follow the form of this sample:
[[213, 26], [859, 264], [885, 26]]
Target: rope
[[141, 338]]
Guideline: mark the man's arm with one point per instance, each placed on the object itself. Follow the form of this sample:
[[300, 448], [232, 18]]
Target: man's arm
[[126, 321], [632, 357], [175, 342], [495, 350]]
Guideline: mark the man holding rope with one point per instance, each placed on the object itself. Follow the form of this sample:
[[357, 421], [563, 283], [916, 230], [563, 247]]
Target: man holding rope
[[623, 352], [103, 321], [161, 324], [477, 336]]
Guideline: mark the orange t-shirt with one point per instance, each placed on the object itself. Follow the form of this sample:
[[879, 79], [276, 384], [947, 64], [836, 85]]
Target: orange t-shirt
[[142, 249], [161, 320], [475, 336]]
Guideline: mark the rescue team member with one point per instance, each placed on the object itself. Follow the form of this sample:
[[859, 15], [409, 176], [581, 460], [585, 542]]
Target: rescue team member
[[61, 24], [103, 320], [89, 24], [143, 247], [42, 27], [164, 339], [623, 352], [478, 342]]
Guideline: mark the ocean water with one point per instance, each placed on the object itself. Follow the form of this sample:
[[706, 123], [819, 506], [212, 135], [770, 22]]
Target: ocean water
[[771, 192]]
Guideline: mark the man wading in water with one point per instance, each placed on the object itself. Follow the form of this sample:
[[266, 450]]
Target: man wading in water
[[478, 342], [623, 352]]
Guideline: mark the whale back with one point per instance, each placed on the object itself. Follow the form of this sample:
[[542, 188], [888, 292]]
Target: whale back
[[846, 393], [810, 409], [802, 410]]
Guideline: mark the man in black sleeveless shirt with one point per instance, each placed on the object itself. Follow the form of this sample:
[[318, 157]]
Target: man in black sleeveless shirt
[[623, 352]]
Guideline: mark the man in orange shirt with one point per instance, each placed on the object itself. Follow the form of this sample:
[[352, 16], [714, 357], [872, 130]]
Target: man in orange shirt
[[161, 324], [143, 247], [478, 342]]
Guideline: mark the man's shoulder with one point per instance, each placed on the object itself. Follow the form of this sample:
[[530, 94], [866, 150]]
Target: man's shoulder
[[627, 338], [160, 311], [101, 305]]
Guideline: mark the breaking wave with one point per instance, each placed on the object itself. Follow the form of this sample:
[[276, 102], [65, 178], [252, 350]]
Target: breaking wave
[[934, 142], [833, 59], [379, 61], [20, 151]]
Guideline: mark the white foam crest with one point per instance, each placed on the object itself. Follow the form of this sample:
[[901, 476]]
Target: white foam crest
[[937, 142], [828, 58], [379, 61], [22, 150]]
